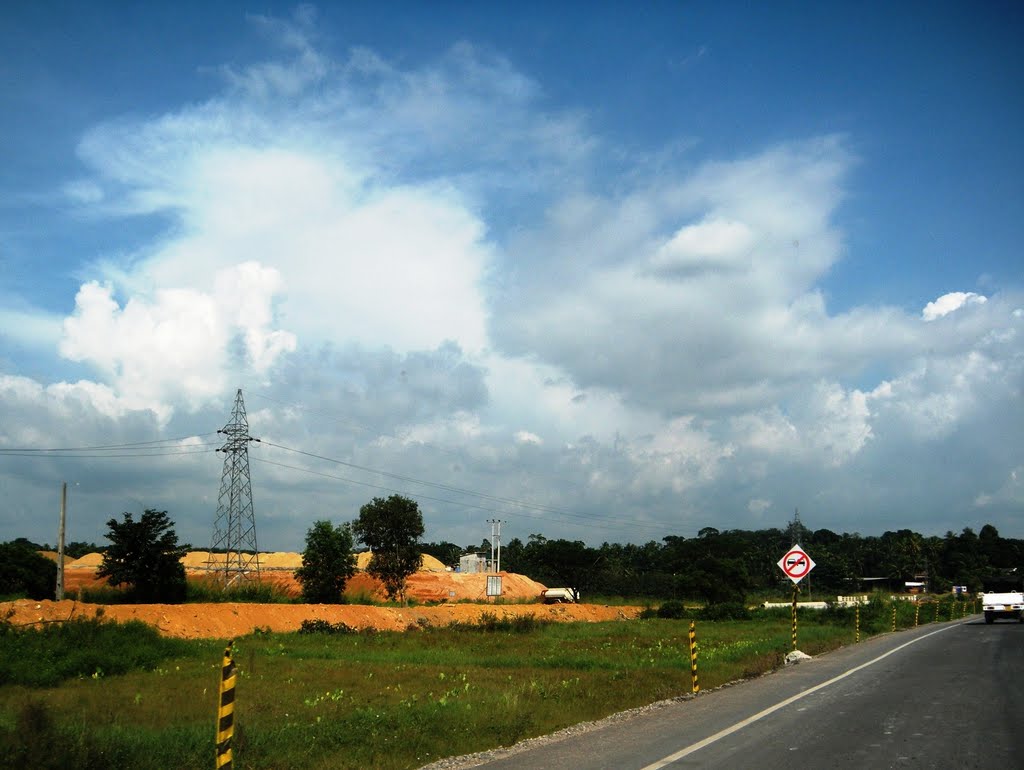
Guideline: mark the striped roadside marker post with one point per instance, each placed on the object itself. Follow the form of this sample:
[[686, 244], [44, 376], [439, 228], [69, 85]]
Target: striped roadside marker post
[[936, 612], [856, 620], [693, 656], [226, 710], [894, 618], [917, 613], [796, 590]]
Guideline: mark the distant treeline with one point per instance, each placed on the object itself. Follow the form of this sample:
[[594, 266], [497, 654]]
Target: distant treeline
[[732, 564], [729, 565]]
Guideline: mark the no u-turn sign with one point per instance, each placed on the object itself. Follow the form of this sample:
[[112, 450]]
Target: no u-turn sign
[[796, 564]]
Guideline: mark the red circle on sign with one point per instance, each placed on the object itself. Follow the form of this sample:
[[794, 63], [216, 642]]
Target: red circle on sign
[[796, 564]]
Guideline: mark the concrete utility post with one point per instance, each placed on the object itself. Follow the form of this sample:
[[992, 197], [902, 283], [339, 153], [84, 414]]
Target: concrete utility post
[[59, 593], [495, 540]]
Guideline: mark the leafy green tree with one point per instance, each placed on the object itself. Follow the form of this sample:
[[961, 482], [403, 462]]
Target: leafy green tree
[[77, 549], [446, 553], [392, 529], [327, 563], [571, 563], [145, 555], [23, 570]]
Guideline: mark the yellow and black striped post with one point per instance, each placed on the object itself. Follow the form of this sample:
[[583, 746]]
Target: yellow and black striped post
[[856, 620], [894, 618], [936, 612], [796, 590], [917, 613], [226, 710], [693, 656]]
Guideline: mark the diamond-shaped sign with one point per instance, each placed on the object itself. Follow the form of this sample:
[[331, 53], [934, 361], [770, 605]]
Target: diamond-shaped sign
[[796, 564]]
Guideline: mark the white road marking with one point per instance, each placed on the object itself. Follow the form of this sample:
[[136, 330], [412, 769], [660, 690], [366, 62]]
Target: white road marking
[[780, 705]]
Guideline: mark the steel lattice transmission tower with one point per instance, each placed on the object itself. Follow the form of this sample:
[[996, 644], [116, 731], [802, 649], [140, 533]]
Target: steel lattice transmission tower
[[234, 528]]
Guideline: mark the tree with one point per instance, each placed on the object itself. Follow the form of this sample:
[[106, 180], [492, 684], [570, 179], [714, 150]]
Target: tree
[[145, 555], [77, 549], [446, 553], [327, 563], [23, 570], [392, 529], [571, 562]]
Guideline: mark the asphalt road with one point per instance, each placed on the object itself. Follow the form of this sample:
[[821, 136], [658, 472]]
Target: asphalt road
[[947, 695]]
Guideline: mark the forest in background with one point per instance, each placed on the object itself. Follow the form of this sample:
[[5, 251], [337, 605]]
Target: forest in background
[[734, 565], [731, 565]]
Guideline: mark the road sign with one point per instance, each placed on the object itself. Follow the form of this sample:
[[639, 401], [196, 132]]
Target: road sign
[[796, 564]]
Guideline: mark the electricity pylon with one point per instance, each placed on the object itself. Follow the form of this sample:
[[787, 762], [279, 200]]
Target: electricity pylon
[[234, 527]]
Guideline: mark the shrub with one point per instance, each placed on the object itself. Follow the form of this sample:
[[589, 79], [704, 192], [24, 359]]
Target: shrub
[[488, 622], [673, 609], [319, 626], [725, 611], [24, 571]]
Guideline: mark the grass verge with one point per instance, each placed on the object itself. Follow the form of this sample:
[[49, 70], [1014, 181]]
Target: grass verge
[[336, 699]]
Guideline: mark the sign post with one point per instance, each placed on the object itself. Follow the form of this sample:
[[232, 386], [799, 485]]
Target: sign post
[[796, 565]]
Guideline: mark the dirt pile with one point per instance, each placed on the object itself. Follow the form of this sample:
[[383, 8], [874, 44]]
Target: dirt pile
[[226, 621], [433, 583]]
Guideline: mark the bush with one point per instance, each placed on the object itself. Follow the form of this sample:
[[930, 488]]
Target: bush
[[26, 572], [208, 592], [488, 622], [725, 611], [673, 609], [319, 626]]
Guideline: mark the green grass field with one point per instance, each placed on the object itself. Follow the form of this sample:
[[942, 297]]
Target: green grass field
[[363, 700]]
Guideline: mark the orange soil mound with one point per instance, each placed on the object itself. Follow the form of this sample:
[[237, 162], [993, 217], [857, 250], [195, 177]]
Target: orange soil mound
[[427, 562], [52, 556], [423, 586], [89, 560], [225, 621]]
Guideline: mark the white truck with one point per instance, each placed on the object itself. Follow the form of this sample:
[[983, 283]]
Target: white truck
[[558, 596], [1008, 604]]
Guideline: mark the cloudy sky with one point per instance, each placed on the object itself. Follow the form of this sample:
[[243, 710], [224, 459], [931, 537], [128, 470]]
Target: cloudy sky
[[604, 271]]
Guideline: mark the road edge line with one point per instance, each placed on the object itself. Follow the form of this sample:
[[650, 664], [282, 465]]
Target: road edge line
[[694, 747]]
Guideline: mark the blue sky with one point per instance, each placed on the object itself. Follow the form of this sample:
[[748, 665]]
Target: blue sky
[[609, 273]]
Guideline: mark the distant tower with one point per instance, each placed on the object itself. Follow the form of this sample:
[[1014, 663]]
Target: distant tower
[[234, 528], [796, 528]]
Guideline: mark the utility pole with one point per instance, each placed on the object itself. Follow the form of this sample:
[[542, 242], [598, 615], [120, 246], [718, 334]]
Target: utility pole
[[496, 539], [59, 593]]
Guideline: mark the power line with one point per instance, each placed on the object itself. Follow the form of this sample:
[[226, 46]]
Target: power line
[[333, 417], [461, 504], [71, 456], [446, 487], [140, 444]]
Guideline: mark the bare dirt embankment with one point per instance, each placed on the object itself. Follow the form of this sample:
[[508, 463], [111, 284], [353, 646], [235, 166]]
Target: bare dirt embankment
[[432, 583], [225, 621]]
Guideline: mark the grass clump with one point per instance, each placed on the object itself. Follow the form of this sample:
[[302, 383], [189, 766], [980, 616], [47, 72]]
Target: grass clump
[[44, 656], [490, 623]]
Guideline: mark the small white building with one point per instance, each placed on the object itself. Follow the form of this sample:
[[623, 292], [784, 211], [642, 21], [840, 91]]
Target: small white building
[[473, 562]]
